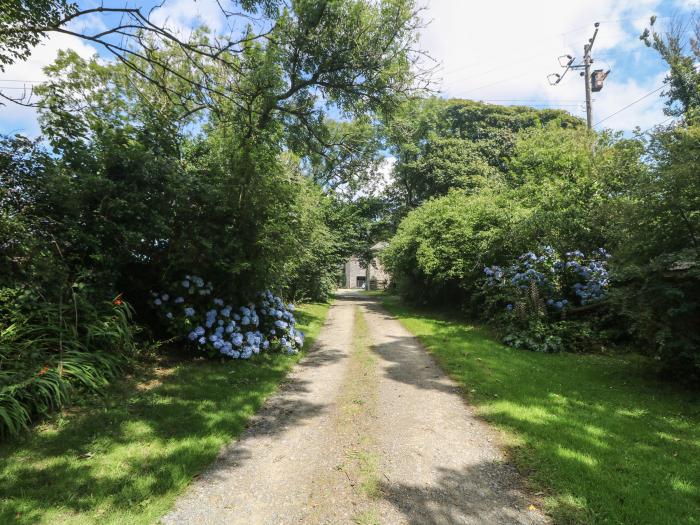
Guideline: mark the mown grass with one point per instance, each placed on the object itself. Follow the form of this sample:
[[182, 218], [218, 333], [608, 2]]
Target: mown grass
[[125, 458], [603, 440], [357, 405]]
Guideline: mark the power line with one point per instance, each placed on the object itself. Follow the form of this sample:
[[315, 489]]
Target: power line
[[540, 41], [462, 78], [657, 125], [631, 104], [497, 82], [535, 104], [632, 18], [530, 100], [548, 38]]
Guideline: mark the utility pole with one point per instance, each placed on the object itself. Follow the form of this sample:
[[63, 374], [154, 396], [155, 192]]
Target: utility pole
[[587, 76], [592, 81]]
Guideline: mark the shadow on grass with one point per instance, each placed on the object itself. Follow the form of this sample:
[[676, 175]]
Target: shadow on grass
[[126, 458], [607, 443]]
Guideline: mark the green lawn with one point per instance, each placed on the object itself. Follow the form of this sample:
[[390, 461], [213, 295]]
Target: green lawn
[[603, 441], [126, 458]]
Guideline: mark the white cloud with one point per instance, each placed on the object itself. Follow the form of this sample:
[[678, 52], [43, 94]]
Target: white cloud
[[181, 16], [22, 76], [385, 171], [502, 51]]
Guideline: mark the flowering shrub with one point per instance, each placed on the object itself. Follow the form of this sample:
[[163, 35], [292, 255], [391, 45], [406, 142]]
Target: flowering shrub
[[216, 327], [561, 281], [537, 291]]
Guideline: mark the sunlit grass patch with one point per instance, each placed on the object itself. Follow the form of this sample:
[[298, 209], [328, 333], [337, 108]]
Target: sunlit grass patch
[[595, 434], [125, 459]]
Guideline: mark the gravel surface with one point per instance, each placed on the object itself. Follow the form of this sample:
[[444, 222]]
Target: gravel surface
[[366, 429]]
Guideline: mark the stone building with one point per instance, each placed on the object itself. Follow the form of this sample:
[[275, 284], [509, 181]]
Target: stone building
[[355, 276]]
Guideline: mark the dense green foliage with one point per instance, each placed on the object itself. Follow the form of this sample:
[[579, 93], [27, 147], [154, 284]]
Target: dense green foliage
[[444, 144], [598, 438], [443, 245], [637, 198], [57, 333], [173, 161], [551, 184]]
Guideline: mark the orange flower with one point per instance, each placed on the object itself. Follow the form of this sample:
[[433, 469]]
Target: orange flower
[[44, 370], [118, 300]]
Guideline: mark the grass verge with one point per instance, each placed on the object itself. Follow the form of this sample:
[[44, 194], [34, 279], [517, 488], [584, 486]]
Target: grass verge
[[601, 440], [357, 407], [125, 458]]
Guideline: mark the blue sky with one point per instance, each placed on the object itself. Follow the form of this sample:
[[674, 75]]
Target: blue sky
[[499, 51]]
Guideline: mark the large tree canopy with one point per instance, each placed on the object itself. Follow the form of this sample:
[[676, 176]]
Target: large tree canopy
[[441, 144], [207, 153]]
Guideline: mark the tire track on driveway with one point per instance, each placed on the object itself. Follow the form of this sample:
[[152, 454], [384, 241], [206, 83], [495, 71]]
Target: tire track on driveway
[[440, 464]]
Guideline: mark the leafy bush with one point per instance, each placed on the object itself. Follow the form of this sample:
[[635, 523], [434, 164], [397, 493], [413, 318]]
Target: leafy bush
[[660, 303], [213, 326], [656, 268], [439, 248]]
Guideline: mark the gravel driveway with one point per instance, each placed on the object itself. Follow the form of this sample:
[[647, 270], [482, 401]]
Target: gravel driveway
[[366, 429]]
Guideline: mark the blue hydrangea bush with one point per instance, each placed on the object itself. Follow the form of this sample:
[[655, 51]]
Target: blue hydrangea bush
[[538, 293], [561, 282], [213, 326]]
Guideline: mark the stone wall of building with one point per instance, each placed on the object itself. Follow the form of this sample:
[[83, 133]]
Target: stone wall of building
[[355, 275], [377, 273]]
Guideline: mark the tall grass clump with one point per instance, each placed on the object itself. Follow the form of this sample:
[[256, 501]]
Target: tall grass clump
[[50, 350]]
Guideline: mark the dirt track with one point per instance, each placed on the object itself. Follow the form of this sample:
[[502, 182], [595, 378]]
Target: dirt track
[[367, 429]]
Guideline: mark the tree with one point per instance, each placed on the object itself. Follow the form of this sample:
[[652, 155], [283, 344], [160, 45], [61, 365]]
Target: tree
[[233, 201], [127, 33], [444, 144], [683, 79], [23, 25], [347, 159], [445, 164], [441, 247], [358, 56]]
